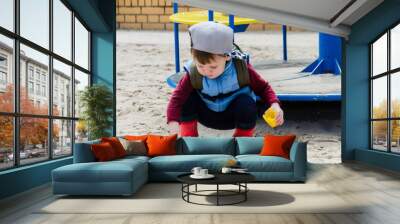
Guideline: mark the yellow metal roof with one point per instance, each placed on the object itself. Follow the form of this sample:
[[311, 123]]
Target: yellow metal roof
[[195, 17]]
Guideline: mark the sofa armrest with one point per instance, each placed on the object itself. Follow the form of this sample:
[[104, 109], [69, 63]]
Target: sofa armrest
[[298, 155], [83, 152]]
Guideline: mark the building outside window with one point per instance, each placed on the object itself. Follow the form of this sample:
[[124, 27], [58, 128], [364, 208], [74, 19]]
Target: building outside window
[[3, 70], [385, 91], [30, 87], [35, 79]]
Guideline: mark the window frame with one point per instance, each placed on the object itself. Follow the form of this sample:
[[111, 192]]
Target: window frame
[[388, 74], [16, 114]]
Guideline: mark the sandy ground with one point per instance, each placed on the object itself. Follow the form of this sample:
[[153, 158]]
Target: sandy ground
[[146, 58]]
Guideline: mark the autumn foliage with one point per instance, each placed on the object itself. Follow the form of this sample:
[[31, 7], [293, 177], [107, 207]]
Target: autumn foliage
[[33, 131], [380, 127]]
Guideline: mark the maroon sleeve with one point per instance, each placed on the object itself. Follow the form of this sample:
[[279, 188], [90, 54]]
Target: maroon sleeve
[[178, 98], [261, 87]]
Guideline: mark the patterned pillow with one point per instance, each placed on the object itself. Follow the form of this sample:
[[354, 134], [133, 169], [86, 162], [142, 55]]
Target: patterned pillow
[[134, 147]]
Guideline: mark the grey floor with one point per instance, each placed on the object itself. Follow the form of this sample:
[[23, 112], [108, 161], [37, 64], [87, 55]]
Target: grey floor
[[377, 188]]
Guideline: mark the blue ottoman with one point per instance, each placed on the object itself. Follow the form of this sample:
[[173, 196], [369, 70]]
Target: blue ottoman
[[118, 177]]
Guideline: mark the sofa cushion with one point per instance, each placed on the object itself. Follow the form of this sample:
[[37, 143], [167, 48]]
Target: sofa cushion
[[249, 145], [103, 152], [277, 145], [116, 145], [134, 147], [257, 163], [185, 163], [201, 145], [159, 145], [112, 171], [83, 152]]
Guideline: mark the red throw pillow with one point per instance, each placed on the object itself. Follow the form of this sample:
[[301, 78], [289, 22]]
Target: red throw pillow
[[275, 145], [161, 145], [103, 152], [116, 145]]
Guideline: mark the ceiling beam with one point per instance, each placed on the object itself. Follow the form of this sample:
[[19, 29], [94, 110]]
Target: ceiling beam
[[270, 15], [346, 12]]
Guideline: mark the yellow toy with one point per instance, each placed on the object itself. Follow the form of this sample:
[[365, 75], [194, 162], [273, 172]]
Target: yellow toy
[[269, 117]]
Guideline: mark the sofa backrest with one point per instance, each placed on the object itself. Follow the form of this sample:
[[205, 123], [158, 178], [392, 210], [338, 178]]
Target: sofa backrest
[[83, 152], [206, 145], [249, 145]]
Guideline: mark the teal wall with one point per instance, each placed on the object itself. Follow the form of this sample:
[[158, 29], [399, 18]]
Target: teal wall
[[99, 16], [24, 178], [355, 89]]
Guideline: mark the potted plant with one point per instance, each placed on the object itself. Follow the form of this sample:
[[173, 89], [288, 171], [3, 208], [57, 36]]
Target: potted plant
[[96, 103]]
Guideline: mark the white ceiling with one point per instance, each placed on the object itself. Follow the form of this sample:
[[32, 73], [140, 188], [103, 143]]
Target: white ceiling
[[317, 15]]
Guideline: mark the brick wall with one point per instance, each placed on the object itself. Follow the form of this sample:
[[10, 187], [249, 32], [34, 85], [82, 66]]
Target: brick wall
[[154, 15]]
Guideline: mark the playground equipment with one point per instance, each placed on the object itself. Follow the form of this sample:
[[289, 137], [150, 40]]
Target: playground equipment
[[330, 56], [329, 49]]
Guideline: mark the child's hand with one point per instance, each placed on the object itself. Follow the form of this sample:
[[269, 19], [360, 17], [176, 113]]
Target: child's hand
[[173, 127], [279, 113]]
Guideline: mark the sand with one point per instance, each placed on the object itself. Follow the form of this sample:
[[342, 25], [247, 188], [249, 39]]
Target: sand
[[146, 58]]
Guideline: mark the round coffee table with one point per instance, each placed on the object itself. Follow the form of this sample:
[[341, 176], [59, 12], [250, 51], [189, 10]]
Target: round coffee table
[[238, 179]]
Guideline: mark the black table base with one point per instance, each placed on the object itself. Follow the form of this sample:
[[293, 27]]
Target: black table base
[[241, 191]]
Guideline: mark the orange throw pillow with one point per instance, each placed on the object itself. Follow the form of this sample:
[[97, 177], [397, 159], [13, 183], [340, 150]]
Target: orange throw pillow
[[275, 145], [161, 145], [135, 137], [103, 152], [116, 145]]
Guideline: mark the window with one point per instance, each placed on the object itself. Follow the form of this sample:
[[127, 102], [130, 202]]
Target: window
[[385, 94], [37, 89], [30, 87], [3, 72], [62, 74], [44, 91], [81, 45], [37, 74], [7, 14], [62, 29], [6, 142], [30, 72], [62, 137], [81, 82], [35, 22], [3, 78], [6, 72], [44, 132]]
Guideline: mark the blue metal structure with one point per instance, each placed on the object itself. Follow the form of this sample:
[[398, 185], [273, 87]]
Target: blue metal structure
[[284, 42], [210, 15], [330, 56], [176, 38]]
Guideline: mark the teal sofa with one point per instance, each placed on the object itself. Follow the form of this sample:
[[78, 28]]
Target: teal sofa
[[125, 176]]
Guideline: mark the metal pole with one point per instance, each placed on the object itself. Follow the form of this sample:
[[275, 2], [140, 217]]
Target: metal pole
[[210, 15], [176, 37], [284, 43], [232, 21]]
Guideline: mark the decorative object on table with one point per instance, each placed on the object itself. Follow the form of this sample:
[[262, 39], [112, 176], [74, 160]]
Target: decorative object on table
[[96, 102], [200, 173], [237, 170], [232, 163]]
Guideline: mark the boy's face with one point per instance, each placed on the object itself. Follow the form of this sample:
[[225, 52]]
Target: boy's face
[[214, 68]]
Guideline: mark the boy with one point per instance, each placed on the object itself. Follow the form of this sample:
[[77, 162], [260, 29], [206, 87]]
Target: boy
[[219, 88]]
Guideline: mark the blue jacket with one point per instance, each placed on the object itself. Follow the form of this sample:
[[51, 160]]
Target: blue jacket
[[218, 93]]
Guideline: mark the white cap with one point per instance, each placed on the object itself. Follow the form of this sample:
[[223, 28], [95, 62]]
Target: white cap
[[212, 37]]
